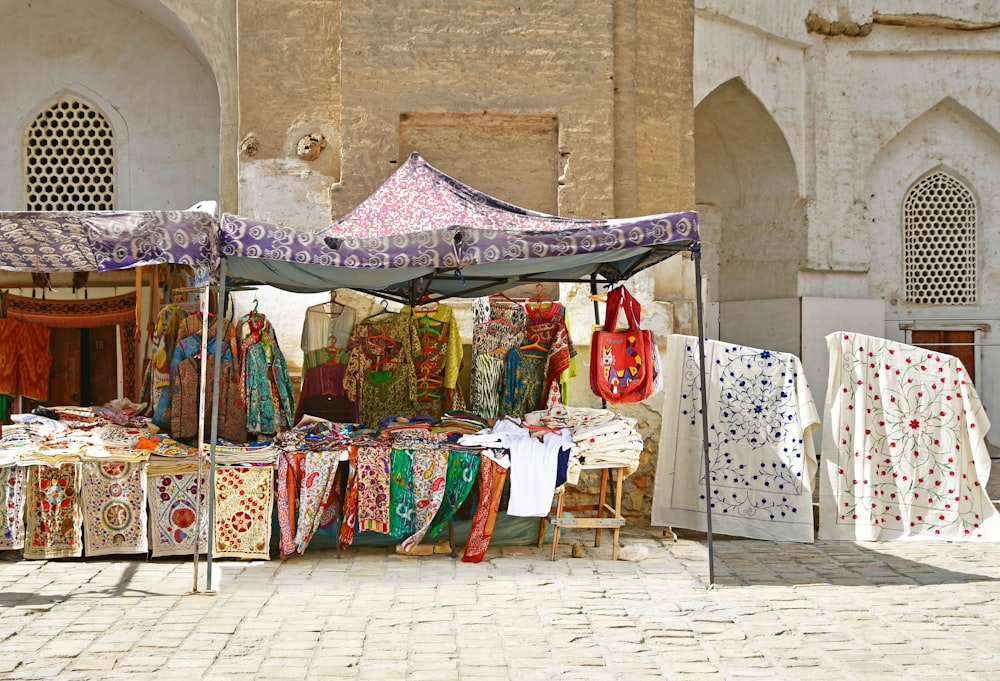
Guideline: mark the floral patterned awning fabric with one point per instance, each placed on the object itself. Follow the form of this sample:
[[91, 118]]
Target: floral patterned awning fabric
[[761, 415], [904, 449]]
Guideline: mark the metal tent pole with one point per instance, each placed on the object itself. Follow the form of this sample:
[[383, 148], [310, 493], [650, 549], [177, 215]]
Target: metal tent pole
[[704, 414], [220, 313], [203, 308]]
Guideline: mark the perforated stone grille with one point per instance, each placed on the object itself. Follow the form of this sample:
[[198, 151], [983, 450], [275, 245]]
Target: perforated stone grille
[[69, 159], [939, 242]]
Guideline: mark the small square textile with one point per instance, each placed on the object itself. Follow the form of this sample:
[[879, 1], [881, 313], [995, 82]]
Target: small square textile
[[173, 512], [11, 507], [53, 516]]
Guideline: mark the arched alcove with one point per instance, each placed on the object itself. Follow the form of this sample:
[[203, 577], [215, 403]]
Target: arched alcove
[[138, 63], [746, 179]]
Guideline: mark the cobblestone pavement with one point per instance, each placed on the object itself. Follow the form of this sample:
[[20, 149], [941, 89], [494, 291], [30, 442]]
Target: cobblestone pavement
[[781, 611]]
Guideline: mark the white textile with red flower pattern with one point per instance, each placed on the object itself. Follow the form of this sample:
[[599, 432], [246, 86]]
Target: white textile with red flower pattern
[[904, 446]]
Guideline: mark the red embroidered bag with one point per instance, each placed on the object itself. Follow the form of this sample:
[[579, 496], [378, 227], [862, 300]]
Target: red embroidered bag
[[621, 360]]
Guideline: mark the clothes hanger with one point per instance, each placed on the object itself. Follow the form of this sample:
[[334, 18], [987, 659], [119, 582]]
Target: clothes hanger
[[535, 344], [504, 322], [336, 308], [539, 300], [504, 299], [384, 311]]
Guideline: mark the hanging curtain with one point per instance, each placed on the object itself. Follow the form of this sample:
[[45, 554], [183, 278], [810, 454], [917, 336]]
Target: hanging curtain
[[116, 311]]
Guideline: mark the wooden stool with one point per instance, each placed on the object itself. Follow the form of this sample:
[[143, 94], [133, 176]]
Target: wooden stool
[[599, 522]]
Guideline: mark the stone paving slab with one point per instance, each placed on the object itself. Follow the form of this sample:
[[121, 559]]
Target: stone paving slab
[[778, 610]]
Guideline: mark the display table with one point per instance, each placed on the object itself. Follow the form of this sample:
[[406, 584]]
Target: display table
[[598, 522]]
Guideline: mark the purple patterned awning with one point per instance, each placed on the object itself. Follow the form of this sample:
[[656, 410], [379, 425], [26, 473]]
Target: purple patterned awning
[[452, 247], [99, 241], [421, 223]]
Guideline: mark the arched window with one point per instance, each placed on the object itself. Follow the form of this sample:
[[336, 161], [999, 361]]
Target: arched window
[[69, 159], [940, 242]]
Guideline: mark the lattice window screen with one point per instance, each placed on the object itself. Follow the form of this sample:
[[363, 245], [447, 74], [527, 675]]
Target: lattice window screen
[[69, 159], [940, 242]]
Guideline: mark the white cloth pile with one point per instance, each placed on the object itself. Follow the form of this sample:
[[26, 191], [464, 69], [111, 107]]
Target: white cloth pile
[[600, 437]]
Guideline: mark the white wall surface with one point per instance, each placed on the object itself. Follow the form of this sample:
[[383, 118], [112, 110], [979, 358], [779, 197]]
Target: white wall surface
[[160, 99]]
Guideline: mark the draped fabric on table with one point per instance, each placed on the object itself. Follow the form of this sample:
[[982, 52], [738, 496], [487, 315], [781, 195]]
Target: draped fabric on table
[[463, 468], [173, 509], [904, 448], [306, 496], [11, 507], [85, 314], [430, 472], [317, 495], [290, 473], [54, 517], [492, 477], [760, 444], [114, 507], [243, 505]]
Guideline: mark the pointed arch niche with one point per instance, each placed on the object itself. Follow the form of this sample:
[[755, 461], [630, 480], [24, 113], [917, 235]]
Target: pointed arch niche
[[752, 216]]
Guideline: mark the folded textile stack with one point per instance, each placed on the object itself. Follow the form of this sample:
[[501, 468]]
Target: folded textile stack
[[601, 437], [460, 422], [114, 442], [263, 454], [17, 440]]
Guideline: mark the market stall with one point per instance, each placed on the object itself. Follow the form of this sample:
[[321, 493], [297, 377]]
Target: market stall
[[423, 237]]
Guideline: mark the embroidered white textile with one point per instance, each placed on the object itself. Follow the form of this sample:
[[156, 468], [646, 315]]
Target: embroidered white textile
[[761, 415], [904, 446]]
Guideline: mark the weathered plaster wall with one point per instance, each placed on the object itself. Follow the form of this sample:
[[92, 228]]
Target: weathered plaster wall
[[869, 95], [159, 97]]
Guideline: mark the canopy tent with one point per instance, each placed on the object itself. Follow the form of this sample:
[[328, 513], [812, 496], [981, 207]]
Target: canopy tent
[[103, 241], [422, 236]]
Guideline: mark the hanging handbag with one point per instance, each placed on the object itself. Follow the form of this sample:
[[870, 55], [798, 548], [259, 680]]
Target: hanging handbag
[[622, 360]]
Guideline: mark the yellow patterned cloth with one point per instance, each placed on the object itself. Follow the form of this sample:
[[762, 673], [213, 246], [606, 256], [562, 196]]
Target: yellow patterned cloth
[[114, 507], [243, 501]]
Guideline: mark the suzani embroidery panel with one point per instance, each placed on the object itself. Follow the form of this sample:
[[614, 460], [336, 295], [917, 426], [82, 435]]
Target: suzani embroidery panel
[[904, 447], [11, 507], [243, 500], [173, 512], [52, 514], [761, 417], [114, 507]]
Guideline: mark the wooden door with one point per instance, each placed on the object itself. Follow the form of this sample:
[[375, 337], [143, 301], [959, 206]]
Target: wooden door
[[101, 366], [960, 344], [65, 377]]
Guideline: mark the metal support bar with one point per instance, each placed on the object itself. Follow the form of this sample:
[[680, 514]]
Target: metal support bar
[[704, 415]]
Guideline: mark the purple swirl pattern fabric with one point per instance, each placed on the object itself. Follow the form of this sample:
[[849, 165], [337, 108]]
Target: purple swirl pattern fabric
[[98, 241], [454, 247]]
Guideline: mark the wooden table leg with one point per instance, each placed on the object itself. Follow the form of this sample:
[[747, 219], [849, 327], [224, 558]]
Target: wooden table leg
[[600, 505], [618, 513], [555, 526]]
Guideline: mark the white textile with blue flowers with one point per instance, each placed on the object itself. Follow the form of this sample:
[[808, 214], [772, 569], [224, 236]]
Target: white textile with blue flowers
[[760, 416]]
